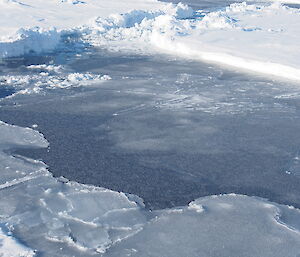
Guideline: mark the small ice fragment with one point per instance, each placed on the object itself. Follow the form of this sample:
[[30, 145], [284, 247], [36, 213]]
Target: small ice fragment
[[196, 207]]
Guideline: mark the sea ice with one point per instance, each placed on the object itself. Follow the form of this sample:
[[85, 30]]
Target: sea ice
[[43, 211], [49, 77], [36, 25], [10, 247], [56, 217], [262, 38], [26, 41]]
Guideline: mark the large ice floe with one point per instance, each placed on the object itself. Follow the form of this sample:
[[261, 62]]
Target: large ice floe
[[45, 216], [256, 37]]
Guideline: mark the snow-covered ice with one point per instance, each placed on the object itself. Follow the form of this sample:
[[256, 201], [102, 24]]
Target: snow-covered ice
[[36, 25], [16, 15], [26, 41], [256, 37], [10, 247], [55, 217], [44, 211], [262, 38]]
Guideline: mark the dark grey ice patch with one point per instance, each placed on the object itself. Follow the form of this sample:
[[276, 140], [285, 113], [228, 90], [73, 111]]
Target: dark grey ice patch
[[6, 91], [207, 5], [293, 6], [294, 167]]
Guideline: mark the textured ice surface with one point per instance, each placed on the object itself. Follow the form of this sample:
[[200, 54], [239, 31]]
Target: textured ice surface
[[47, 77], [228, 225], [186, 128], [10, 247], [56, 217], [43, 211]]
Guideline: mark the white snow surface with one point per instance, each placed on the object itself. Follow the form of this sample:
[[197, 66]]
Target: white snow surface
[[56, 217], [37, 25], [61, 14], [260, 38]]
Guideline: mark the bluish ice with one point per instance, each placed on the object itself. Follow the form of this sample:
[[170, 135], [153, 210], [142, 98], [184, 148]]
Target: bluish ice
[[165, 129]]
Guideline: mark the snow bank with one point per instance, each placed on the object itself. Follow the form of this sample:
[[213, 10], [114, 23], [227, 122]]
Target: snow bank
[[57, 217], [62, 14], [26, 41], [259, 38], [253, 37], [27, 25]]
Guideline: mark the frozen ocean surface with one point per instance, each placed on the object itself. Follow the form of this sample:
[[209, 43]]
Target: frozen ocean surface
[[109, 148], [56, 217], [4, 92], [168, 135]]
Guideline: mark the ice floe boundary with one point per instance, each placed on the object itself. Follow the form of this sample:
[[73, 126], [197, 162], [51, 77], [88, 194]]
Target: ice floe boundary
[[57, 217]]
